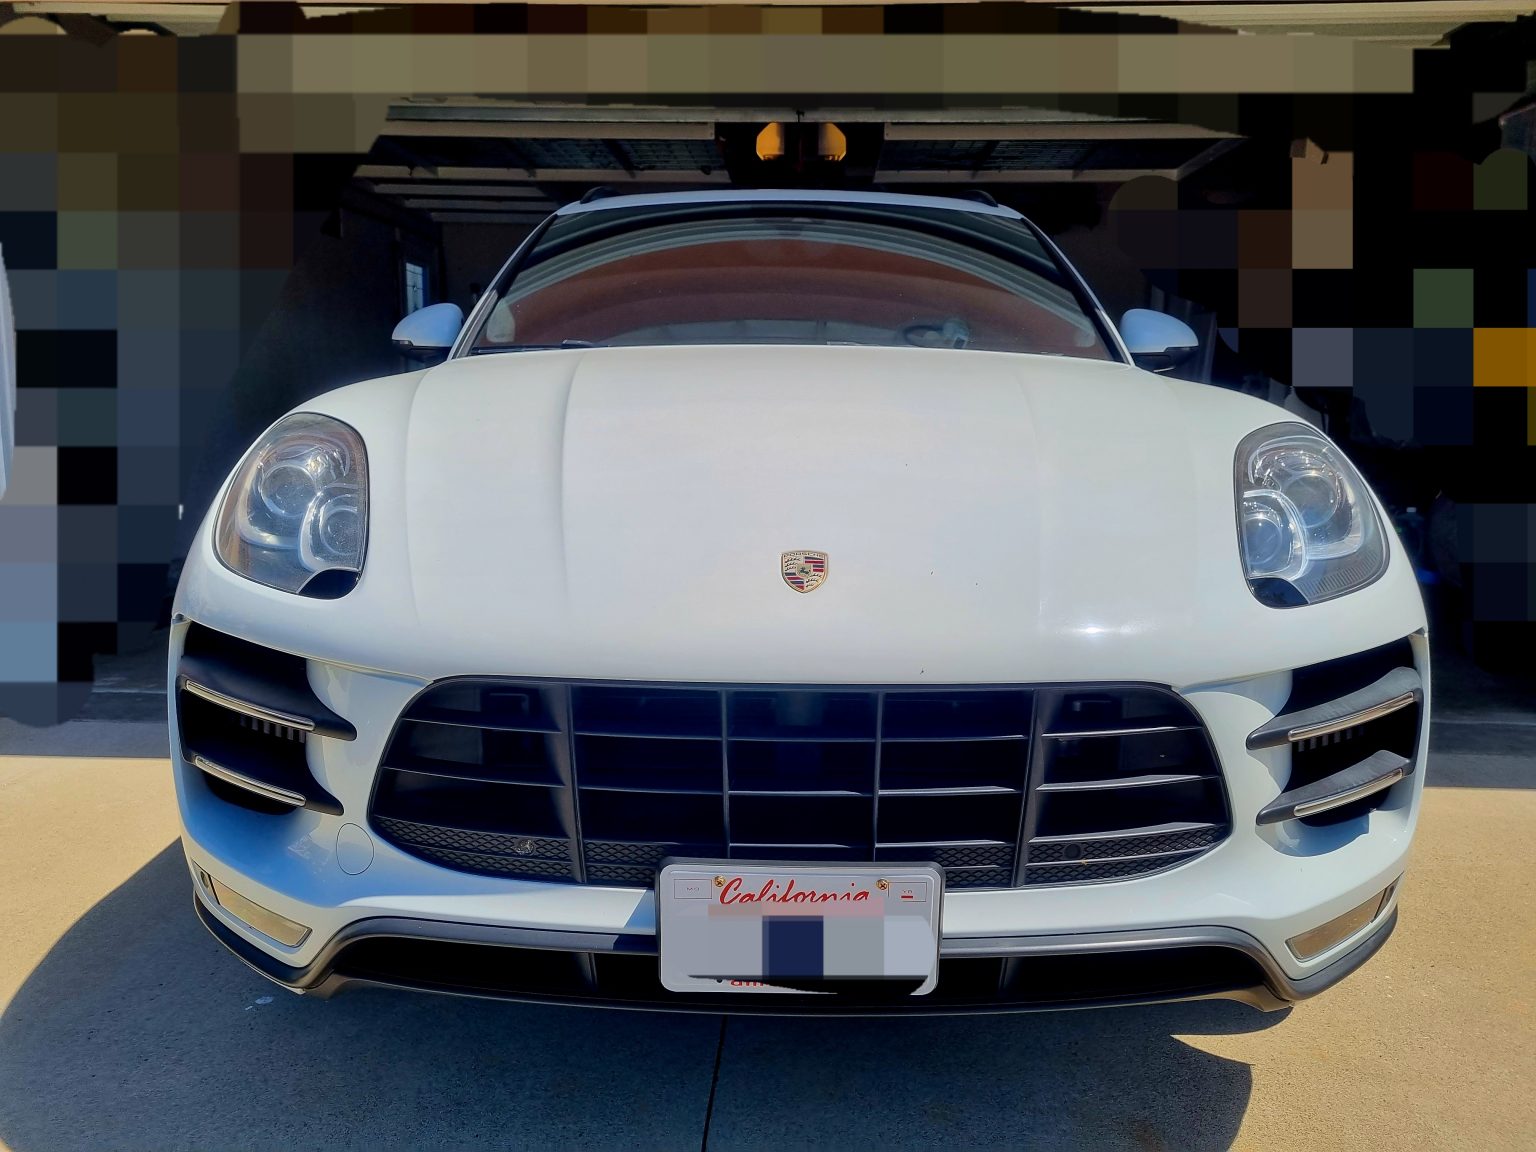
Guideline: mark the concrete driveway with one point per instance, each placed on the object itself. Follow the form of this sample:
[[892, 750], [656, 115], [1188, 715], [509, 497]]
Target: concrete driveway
[[123, 1025]]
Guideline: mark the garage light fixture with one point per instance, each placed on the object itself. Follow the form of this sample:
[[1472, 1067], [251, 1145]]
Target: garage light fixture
[[770, 142], [831, 143], [773, 141]]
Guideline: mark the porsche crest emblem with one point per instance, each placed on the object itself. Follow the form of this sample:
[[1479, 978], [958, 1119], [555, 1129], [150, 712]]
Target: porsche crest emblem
[[805, 571]]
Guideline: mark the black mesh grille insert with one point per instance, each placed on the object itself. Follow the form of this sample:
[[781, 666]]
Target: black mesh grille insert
[[1152, 842], [597, 783]]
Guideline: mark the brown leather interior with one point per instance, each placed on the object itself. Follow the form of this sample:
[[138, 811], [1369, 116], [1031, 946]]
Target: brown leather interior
[[786, 280]]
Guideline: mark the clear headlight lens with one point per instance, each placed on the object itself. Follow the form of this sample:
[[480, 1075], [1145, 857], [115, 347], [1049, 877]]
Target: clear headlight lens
[[1307, 527], [298, 505]]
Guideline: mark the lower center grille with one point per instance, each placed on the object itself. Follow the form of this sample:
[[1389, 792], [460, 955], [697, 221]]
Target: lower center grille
[[966, 984], [598, 783]]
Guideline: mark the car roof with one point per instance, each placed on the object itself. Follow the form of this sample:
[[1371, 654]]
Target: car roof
[[787, 195]]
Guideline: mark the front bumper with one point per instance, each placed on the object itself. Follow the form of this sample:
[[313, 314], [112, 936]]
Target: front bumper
[[1215, 926], [1001, 974]]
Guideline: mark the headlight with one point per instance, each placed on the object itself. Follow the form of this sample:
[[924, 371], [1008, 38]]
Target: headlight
[[1306, 524], [297, 507]]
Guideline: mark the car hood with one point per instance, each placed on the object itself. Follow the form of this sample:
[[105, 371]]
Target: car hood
[[623, 512]]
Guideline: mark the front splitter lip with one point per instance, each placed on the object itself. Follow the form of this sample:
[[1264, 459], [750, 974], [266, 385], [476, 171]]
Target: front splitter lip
[[319, 978]]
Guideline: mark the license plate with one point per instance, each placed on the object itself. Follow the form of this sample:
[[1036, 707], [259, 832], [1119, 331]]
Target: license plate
[[868, 930]]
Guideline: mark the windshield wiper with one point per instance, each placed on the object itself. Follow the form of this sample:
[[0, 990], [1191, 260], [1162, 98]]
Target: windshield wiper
[[536, 347]]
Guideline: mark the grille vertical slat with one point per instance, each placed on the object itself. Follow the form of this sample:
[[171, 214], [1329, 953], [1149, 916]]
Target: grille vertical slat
[[874, 807], [644, 772], [725, 767], [566, 767]]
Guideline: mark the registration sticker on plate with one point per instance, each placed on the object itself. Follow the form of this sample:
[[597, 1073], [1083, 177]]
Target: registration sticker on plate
[[869, 930]]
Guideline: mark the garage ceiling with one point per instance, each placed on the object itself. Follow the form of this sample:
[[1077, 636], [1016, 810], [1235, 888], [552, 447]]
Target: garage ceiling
[[498, 161], [1412, 23], [470, 159]]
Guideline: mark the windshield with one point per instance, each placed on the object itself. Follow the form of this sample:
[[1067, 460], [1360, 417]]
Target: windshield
[[790, 273]]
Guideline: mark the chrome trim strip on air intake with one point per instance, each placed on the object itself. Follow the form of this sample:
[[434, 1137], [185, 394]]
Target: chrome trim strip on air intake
[[245, 707], [1385, 708], [1376, 772], [240, 780], [1396, 690], [1343, 798]]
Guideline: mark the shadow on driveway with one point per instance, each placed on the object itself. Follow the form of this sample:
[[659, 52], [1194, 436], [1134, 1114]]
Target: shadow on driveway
[[138, 1031]]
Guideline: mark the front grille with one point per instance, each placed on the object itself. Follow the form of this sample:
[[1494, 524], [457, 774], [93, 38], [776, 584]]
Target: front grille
[[598, 783], [1126, 784], [966, 984]]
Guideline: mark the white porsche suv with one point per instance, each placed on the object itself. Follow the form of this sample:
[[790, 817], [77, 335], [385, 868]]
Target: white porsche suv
[[800, 602]]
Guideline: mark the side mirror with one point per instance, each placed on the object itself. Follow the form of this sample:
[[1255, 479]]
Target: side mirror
[[428, 333], [1157, 341]]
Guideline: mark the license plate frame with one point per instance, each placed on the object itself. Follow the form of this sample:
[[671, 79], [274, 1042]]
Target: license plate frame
[[776, 927]]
